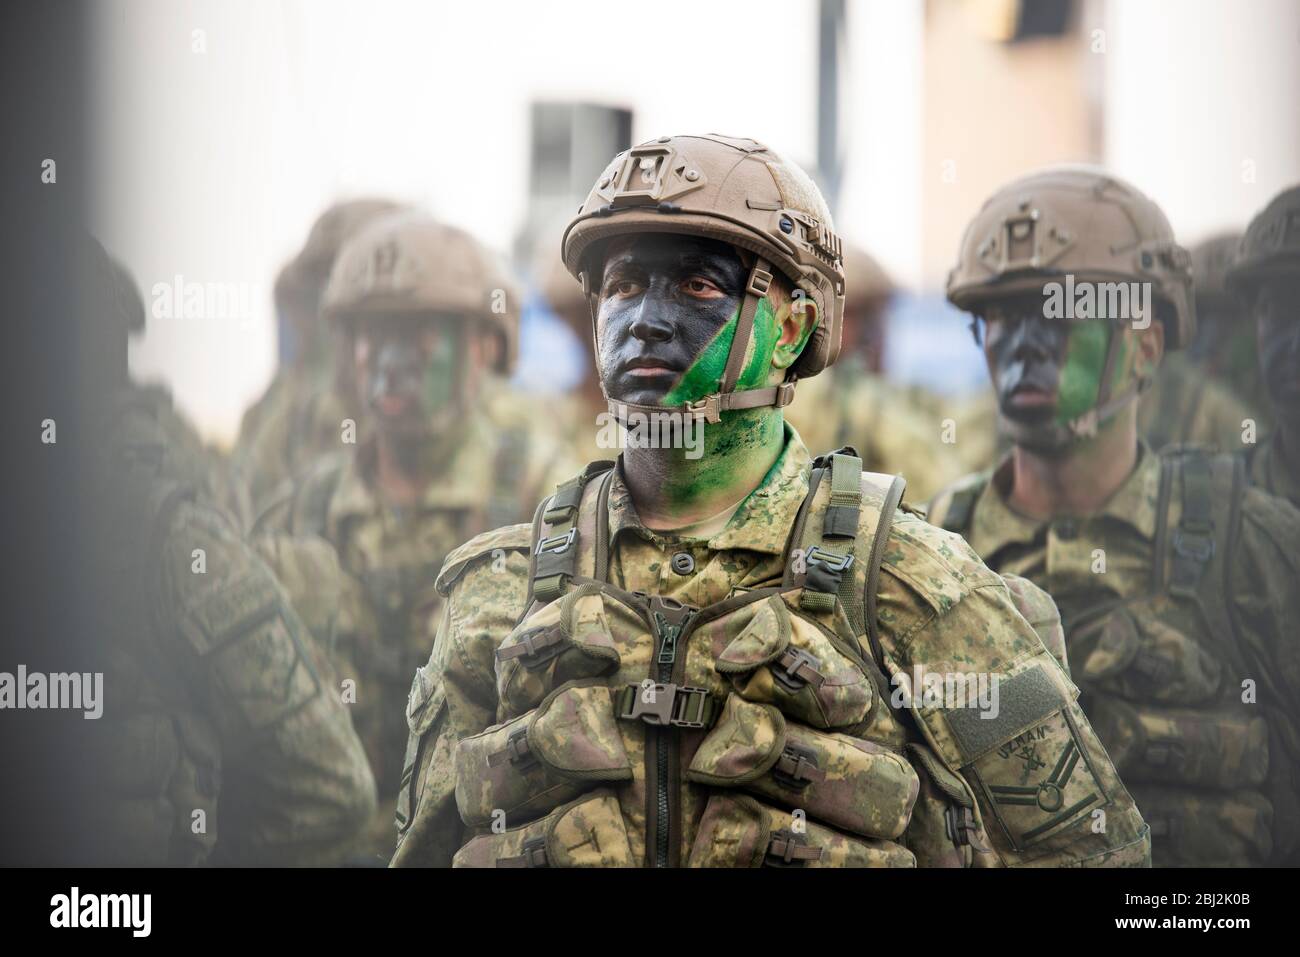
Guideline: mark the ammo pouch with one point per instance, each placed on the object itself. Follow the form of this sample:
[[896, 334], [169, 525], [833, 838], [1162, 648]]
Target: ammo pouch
[[587, 832], [1220, 747], [1134, 654], [535, 762], [853, 784], [739, 831]]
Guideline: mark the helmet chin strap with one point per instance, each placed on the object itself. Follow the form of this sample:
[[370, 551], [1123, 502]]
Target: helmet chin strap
[[726, 399], [1058, 435]]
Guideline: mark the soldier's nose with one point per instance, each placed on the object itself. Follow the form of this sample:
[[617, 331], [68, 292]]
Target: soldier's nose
[[649, 324]]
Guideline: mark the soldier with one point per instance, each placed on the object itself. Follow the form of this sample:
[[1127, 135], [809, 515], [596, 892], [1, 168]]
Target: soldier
[[1266, 275], [1176, 582], [854, 404], [683, 660], [426, 315], [222, 741], [299, 418], [1204, 396]]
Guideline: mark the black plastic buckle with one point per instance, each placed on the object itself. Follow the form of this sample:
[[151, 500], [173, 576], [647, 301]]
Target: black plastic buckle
[[785, 669], [1197, 546], [959, 824], [516, 752], [667, 706], [557, 544], [534, 855], [836, 563]]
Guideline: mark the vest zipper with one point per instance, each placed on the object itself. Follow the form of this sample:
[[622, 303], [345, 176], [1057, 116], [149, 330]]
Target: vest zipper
[[670, 619]]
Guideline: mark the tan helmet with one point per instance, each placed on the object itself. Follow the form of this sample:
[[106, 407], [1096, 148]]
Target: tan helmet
[[869, 284], [737, 191], [408, 262], [1211, 260], [1074, 220], [1271, 245], [310, 269]]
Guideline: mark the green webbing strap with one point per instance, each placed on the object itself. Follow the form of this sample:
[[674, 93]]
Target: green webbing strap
[[555, 557], [1193, 539], [958, 516], [826, 565]]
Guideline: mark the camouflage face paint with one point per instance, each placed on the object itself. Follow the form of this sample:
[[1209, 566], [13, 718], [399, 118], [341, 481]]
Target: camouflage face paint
[[412, 369], [1085, 360]]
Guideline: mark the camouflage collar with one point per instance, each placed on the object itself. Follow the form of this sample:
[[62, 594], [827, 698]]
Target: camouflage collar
[[764, 519], [466, 483], [995, 524]]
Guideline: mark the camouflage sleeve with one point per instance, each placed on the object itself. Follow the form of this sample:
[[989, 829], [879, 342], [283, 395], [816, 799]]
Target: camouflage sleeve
[[1266, 605], [1044, 790], [296, 784], [1039, 609], [454, 694]]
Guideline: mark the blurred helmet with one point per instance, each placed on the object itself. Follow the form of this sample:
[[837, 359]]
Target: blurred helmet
[[737, 191], [1211, 260], [310, 269], [128, 304], [1080, 221], [868, 283], [1271, 245], [409, 263]]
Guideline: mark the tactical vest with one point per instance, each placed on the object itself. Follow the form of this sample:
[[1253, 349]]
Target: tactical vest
[[759, 723], [1162, 678]]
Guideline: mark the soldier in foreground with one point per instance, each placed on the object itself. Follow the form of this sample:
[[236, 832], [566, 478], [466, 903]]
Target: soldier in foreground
[[427, 316], [1266, 275], [222, 741], [1175, 580], [1202, 395], [717, 661], [854, 404], [299, 419]]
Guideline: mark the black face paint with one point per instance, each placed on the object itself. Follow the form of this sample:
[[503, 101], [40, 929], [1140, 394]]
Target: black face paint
[[1277, 315], [410, 376], [665, 305], [1025, 353]]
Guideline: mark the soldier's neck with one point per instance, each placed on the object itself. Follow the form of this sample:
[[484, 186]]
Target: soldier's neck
[[405, 466], [675, 487], [1080, 479]]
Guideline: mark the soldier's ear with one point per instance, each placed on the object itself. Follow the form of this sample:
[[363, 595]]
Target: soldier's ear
[[1150, 350], [796, 317]]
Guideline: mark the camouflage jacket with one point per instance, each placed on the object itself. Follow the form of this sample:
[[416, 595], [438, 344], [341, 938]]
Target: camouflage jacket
[[389, 556], [1179, 602], [220, 743], [612, 725], [1266, 468], [1184, 406], [893, 432]]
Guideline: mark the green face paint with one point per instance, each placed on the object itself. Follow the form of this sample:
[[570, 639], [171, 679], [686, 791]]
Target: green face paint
[[704, 376], [438, 386], [1081, 373]]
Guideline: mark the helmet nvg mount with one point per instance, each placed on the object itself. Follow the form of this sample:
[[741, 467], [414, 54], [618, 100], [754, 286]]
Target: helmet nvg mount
[[737, 191], [1083, 223]]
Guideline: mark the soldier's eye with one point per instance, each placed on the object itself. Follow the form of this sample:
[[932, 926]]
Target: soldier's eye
[[625, 287], [701, 287]]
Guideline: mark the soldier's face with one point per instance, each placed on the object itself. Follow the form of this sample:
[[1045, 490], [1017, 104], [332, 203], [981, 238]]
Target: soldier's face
[[1277, 318], [665, 322], [409, 370]]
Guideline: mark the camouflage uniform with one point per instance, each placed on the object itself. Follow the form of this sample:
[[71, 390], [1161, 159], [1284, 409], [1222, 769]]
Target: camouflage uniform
[[390, 554], [851, 406], [601, 694], [222, 741], [1184, 406], [1177, 596]]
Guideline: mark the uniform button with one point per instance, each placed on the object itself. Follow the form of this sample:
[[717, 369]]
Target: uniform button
[[683, 563], [1067, 528]]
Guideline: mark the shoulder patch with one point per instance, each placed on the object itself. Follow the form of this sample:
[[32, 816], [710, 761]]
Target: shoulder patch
[[508, 537]]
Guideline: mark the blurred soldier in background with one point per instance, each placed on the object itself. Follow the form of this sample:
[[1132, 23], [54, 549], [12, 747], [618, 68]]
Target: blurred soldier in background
[[300, 417], [892, 428], [1266, 275], [1204, 395], [1175, 579], [426, 316], [222, 741]]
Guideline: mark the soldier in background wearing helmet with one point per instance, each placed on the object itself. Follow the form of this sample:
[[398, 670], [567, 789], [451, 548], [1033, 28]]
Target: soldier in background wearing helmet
[[221, 740], [300, 417], [1175, 580], [854, 404], [1204, 394], [672, 643], [1266, 276], [427, 315]]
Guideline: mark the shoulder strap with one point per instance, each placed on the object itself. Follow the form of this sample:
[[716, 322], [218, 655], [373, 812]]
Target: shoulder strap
[[309, 510], [554, 558], [960, 508]]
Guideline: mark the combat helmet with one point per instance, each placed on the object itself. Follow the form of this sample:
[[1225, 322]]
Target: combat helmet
[[409, 263], [737, 191], [1271, 245], [1083, 222], [1211, 260], [310, 269]]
